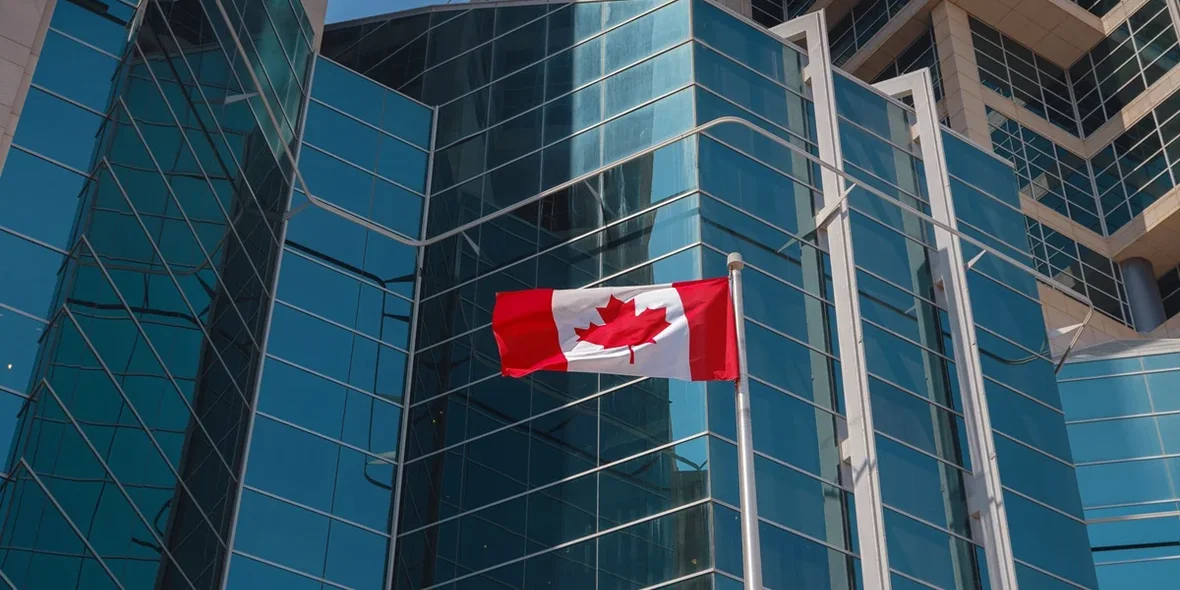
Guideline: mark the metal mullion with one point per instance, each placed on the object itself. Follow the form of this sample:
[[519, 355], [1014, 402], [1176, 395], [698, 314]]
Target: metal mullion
[[1034, 448], [288, 569], [69, 521], [930, 250], [746, 67], [155, 353], [1018, 345], [1123, 417], [780, 389], [350, 387], [1126, 460], [790, 338], [209, 105], [193, 230], [180, 482], [509, 426], [556, 141], [814, 190], [1023, 394], [340, 271], [1044, 504], [917, 581], [966, 473], [68, 100], [909, 341], [936, 527], [790, 132], [558, 97], [797, 533], [350, 330], [118, 484], [424, 34], [598, 34], [382, 132], [308, 431], [176, 283], [1128, 505], [53, 161], [873, 134], [915, 394], [265, 75], [875, 178], [202, 128], [313, 510], [590, 472]]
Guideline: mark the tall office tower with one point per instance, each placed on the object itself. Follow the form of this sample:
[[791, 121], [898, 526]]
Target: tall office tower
[[249, 265]]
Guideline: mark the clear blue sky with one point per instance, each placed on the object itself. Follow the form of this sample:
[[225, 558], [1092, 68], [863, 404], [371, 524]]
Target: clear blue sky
[[339, 10]]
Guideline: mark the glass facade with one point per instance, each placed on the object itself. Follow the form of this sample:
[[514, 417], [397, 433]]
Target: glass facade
[[1016, 72], [867, 17], [124, 466], [1049, 174], [250, 375], [1121, 66], [1121, 404], [1087, 271], [922, 53]]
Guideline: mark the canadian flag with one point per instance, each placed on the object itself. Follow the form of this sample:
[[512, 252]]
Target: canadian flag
[[678, 330]]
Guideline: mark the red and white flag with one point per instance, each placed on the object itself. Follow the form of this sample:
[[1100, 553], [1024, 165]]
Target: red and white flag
[[678, 330]]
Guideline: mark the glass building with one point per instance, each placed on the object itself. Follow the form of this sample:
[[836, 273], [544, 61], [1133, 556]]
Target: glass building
[[250, 264], [1120, 400]]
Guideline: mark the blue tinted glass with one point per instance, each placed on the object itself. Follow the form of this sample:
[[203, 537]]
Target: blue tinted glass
[[748, 45], [57, 129], [1104, 398], [18, 352], [246, 574], [31, 272], [1049, 540], [39, 199], [75, 71]]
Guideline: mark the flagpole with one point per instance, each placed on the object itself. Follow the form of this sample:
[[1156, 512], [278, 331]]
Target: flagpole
[[751, 547]]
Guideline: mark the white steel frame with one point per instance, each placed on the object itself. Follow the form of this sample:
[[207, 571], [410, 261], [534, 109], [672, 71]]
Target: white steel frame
[[985, 496], [859, 449]]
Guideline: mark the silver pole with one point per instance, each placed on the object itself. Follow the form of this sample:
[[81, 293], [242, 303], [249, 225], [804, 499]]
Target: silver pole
[[751, 547]]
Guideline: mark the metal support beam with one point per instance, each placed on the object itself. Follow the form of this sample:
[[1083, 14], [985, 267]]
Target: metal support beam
[[861, 446], [985, 495]]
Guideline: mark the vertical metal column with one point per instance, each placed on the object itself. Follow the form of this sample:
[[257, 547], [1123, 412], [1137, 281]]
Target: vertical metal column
[[985, 496], [860, 448], [751, 545]]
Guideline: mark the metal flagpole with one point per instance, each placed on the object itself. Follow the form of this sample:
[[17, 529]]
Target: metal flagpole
[[751, 547]]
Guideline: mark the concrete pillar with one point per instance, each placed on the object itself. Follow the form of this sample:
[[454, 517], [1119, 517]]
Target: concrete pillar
[[1143, 294], [960, 74]]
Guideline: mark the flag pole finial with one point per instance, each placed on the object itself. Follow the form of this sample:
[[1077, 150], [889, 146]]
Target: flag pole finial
[[735, 261]]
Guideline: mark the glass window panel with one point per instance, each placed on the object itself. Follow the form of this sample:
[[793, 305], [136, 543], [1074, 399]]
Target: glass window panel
[[76, 71], [1049, 540], [58, 129], [653, 483], [640, 556], [31, 274], [929, 554], [38, 198]]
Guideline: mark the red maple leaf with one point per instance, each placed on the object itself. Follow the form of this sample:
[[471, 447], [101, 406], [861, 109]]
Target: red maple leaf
[[621, 326]]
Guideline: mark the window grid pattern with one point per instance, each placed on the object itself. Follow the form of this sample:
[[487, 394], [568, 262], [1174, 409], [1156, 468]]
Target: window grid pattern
[[125, 469], [1097, 7], [922, 53], [1016, 72], [1122, 417], [1169, 285], [1048, 173], [769, 13], [1123, 65], [859, 25], [1099, 277], [1136, 168]]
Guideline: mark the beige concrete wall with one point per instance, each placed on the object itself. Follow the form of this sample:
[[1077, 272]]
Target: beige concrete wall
[[316, 11], [960, 74], [22, 32]]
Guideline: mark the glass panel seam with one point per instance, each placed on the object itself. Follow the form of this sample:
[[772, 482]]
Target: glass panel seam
[[306, 430], [509, 426], [1044, 505], [549, 101], [556, 141], [288, 249], [336, 324], [897, 440], [379, 130], [289, 570], [629, 217], [783, 527], [784, 463], [372, 173], [333, 380], [317, 511]]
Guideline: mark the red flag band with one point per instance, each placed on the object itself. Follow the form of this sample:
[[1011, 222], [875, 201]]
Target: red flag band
[[678, 330]]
